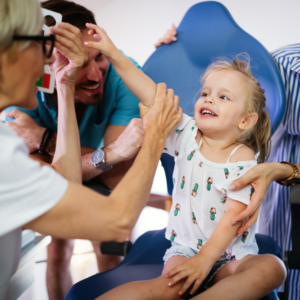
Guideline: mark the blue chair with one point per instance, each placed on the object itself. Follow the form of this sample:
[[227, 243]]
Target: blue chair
[[207, 31]]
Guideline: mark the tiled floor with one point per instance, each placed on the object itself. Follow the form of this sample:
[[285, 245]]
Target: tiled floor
[[84, 265]]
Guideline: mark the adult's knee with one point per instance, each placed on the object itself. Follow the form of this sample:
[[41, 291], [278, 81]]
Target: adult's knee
[[60, 251]]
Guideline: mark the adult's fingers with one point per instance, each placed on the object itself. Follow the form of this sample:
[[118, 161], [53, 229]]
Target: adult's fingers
[[63, 34], [240, 183], [252, 219], [15, 113], [245, 213]]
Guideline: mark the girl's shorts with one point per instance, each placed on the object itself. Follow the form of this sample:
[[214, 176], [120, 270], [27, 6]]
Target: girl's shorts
[[177, 249]]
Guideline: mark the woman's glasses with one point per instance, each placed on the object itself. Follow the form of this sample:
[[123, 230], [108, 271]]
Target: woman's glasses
[[48, 42]]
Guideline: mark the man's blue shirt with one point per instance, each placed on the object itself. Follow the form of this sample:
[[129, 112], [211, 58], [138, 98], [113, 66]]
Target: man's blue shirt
[[118, 107]]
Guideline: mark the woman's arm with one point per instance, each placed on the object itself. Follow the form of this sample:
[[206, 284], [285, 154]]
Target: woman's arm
[[139, 83], [260, 177], [82, 213], [70, 55]]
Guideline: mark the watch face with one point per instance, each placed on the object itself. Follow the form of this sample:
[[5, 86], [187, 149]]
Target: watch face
[[97, 156]]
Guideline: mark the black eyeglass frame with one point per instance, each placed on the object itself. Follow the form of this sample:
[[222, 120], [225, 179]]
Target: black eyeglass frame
[[43, 38]]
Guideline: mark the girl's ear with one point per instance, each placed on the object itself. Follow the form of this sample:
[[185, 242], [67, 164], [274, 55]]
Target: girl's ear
[[249, 121]]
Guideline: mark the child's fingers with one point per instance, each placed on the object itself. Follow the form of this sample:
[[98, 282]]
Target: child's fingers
[[181, 275], [172, 273], [196, 286], [95, 45], [186, 285], [97, 29]]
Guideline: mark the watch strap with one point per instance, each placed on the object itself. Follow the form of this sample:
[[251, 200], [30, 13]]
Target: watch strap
[[104, 167], [292, 179]]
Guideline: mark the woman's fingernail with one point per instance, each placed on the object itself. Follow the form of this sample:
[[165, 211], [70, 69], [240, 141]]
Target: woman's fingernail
[[86, 43], [233, 223], [180, 293], [174, 38], [232, 187], [169, 284]]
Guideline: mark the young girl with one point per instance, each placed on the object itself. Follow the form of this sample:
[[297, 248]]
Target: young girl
[[211, 150]]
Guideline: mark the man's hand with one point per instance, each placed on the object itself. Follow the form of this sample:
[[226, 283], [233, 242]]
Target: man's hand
[[168, 38], [26, 128], [104, 45], [195, 270], [164, 114], [70, 53], [260, 177], [127, 144]]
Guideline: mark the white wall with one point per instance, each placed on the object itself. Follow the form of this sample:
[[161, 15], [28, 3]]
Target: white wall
[[135, 25]]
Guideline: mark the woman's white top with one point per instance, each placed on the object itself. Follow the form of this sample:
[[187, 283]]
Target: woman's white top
[[27, 189], [200, 192]]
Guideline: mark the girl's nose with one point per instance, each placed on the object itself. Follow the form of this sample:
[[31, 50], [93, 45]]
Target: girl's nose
[[208, 100]]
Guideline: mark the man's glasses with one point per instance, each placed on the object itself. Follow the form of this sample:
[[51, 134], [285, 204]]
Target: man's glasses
[[48, 42]]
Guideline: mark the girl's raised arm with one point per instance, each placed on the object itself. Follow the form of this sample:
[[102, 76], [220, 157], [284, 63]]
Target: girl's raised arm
[[139, 83]]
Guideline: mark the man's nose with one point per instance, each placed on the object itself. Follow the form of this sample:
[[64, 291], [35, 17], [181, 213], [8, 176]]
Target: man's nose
[[92, 72]]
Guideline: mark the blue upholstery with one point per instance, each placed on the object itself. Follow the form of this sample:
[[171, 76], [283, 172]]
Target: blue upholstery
[[143, 262], [207, 31]]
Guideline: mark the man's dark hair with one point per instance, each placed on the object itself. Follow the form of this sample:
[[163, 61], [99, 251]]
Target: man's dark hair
[[71, 12]]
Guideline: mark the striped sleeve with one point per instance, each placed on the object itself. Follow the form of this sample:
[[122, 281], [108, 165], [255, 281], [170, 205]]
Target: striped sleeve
[[288, 62]]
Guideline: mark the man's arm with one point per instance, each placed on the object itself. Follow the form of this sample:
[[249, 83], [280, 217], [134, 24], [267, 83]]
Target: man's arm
[[121, 145]]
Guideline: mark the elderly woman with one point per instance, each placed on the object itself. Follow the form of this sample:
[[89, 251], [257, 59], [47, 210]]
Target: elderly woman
[[60, 212]]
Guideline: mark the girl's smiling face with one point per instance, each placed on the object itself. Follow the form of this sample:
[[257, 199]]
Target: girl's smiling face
[[220, 109]]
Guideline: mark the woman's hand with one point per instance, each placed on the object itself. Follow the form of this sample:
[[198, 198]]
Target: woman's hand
[[168, 38], [260, 177], [70, 53], [161, 118], [196, 269], [104, 45]]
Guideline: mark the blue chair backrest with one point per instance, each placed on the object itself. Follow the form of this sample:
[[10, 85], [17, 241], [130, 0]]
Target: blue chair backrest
[[208, 31]]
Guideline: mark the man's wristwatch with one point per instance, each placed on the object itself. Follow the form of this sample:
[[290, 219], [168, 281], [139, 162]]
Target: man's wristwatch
[[294, 178], [98, 160]]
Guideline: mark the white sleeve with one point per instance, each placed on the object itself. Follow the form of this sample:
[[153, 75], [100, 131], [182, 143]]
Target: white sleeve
[[172, 145], [27, 189], [243, 195]]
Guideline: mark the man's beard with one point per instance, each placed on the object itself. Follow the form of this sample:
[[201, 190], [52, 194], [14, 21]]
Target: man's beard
[[89, 100], [81, 97]]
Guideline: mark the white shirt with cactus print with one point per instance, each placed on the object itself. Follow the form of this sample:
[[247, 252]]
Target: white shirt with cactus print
[[200, 192]]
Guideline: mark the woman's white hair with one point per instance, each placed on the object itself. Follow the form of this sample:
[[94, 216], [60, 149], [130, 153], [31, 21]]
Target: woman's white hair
[[19, 17]]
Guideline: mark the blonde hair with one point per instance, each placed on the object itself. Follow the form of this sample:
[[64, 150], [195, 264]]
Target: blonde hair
[[258, 138], [19, 17]]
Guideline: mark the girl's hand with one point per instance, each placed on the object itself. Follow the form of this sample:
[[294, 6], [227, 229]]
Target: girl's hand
[[70, 53], [260, 177], [168, 38], [104, 45], [196, 269]]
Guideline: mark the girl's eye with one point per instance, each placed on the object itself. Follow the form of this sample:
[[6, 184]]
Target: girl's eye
[[224, 98], [204, 95]]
